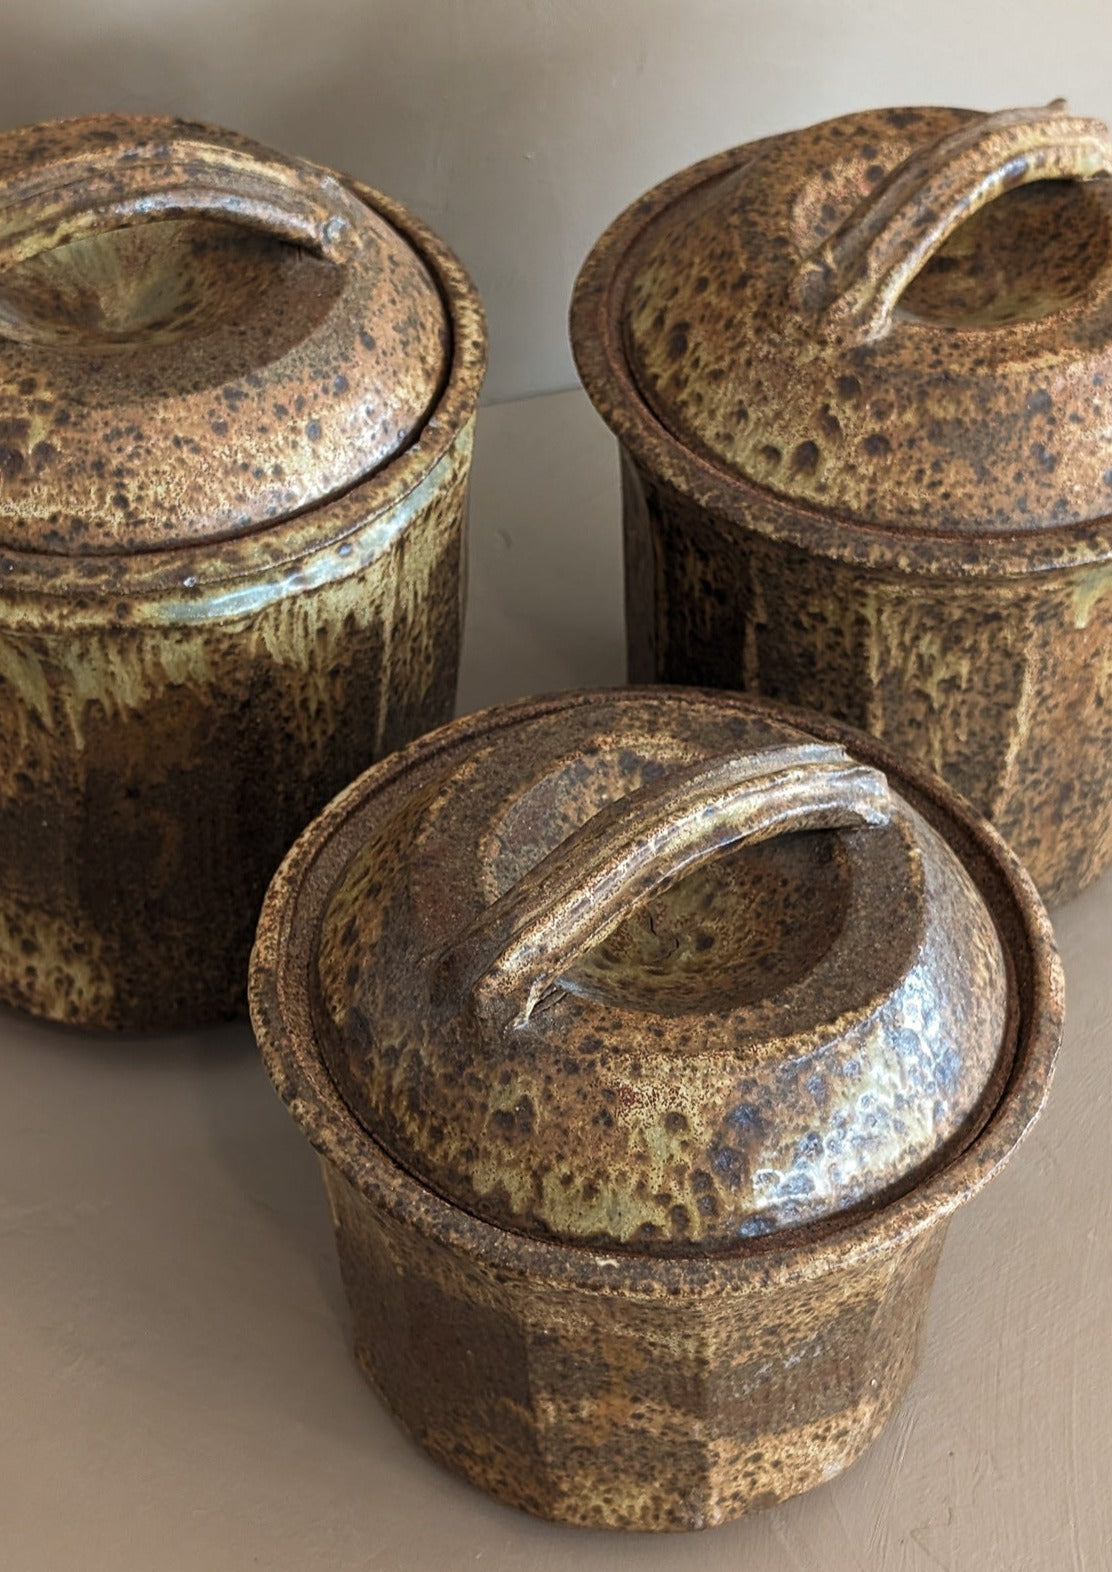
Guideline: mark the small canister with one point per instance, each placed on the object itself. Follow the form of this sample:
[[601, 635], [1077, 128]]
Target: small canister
[[237, 395], [650, 1040], [861, 375]]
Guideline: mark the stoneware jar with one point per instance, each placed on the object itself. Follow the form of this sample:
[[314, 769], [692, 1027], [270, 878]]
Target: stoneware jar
[[236, 404], [861, 376], [649, 1040]]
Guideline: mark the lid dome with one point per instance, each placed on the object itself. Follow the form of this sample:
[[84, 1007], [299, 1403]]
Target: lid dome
[[902, 318], [655, 971], [198, 336]]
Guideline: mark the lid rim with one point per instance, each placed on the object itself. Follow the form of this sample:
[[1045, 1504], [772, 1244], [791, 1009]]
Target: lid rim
[[596, 323], [294, 1061]]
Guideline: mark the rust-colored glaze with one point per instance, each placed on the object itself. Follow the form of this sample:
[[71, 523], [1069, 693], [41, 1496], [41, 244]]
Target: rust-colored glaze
[[186, 674], [859, 377], [649, 1040]]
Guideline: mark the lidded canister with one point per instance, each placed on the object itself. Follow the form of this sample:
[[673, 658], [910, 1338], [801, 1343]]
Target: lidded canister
[[860, 374], [650, 1039], [237, 394]]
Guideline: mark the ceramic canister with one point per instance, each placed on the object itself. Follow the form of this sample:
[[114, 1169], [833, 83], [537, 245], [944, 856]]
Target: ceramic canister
[[649, 1040], [237, 394], [861, 375]]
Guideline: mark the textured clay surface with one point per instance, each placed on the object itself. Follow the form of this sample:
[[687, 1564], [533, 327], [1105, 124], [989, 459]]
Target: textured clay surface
[[638, 1411], [846, 320], [584, 1057], [172, 367]]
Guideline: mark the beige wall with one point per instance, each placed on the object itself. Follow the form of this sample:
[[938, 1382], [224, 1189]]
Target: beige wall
[[519, 127]]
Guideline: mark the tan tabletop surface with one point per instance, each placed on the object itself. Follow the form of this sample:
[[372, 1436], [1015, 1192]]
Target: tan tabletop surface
[[176, 1388]]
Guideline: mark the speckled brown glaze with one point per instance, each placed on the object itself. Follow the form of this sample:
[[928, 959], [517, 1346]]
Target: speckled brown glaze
[[649, 1041], [182, 686], [859, 377]]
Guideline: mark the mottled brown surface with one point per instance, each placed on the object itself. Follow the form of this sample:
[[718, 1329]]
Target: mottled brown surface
[[872, 481], [170, 719], [630, 1410], [772, 319], [587, 1377]]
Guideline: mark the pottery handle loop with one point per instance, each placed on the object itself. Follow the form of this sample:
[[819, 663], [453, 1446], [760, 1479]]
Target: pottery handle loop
[[175, 175], [639, 846], [852, 283]]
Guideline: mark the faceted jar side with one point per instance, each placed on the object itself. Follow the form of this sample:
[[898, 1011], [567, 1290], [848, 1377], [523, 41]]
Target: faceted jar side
[[630, 1410], [156, 767], [976, 679]]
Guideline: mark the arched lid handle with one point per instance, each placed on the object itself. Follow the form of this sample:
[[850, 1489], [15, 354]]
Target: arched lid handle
[[852, 283], [171, 169], [637, 847]]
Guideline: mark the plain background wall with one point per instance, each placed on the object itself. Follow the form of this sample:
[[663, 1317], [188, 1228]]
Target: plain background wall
[[519, 128]]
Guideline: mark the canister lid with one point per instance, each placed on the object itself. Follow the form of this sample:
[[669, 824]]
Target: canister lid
[[655, 971], [198, 336], [902, 317]]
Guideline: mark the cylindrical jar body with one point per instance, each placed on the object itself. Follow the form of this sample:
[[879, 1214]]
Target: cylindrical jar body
[[632, 1409], [1002, 685], [159, 753]]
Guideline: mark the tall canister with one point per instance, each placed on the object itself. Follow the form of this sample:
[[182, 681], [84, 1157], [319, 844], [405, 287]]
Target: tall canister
[[861, 375], [237, 394]]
